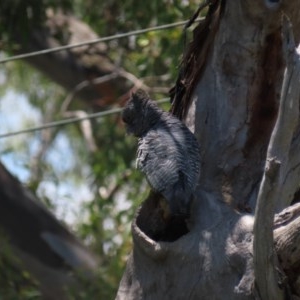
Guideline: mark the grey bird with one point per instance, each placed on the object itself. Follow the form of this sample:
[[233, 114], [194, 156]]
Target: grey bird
[[168, 152]]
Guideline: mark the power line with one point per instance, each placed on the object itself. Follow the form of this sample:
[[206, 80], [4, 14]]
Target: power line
[[61, 122], [61, 48], [95, 41], [68, 121]]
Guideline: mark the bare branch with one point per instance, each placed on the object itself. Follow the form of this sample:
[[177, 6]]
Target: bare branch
[[110, 191], [287, 215], [99, 80], [84, 84], [86, 128], [280, 142], [264, 270], [136, 81], [289, 122], [286, 241], [288, 114], [46, 138]]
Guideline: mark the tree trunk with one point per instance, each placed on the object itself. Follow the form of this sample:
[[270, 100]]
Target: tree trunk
[[238, 91], [44, 246], [86, 72]]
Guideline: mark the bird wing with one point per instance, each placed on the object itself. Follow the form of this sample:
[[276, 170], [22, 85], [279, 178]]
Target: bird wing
[[156, 158]]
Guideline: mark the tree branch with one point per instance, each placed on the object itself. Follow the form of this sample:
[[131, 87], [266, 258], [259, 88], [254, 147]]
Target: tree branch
[[46, 138], [287, 241], [289, 121], [263, 254], [280, 142], [45, 247], [79, 64], [85, 84], [288, 114], [86, 128]]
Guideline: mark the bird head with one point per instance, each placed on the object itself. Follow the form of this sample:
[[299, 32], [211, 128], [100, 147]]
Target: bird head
[[138, 113]]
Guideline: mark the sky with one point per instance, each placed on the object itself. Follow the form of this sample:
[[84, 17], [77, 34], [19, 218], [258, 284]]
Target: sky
[[16, 113]]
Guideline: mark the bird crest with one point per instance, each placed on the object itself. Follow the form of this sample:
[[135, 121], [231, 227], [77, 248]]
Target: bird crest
[[139, 95]]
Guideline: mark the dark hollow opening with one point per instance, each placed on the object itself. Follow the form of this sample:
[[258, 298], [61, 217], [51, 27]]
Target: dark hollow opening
[[155, 221]]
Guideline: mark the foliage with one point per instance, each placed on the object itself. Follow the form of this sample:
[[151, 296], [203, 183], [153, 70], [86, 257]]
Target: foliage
[[153, 53], [15, 281], [116, 188], [25, 15]]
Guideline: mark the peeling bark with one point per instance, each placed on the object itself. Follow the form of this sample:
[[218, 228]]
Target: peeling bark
[[287, 241], [265, 263], [244, 110]]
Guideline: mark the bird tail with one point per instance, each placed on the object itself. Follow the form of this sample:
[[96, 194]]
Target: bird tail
[[180, 203]]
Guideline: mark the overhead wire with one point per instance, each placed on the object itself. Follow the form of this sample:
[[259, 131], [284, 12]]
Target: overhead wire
[[95, 41], [69, 121], [67, 47]]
